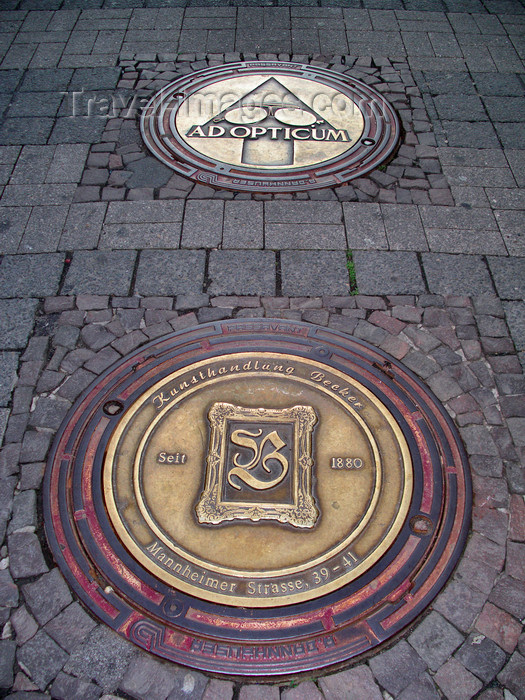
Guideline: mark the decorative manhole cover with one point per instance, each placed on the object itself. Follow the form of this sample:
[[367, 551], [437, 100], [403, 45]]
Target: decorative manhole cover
[[267, 126], [257, 498]]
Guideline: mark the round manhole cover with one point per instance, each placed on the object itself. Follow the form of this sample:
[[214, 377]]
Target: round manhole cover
[[257, 498], [267, 126]]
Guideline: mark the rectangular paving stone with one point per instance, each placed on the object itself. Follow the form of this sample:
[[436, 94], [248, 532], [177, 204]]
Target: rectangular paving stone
[[16, 322], [242, 272], [24, 195], [284, 211], [32, 165], [509, 277], [13, 221], [43, 229], [403, 226], [364, 226], [100, 272], [312, 274], [382, 272], [202, 225], [469, 134], [68, 163], [170, 272], [21, 130], [305, 236], [477, 242], [243, 225], [30, 275], [479, 177], [454, 218], [83, 226], [137, 236], [485, 158], [144, 212], [456, 274], [77, 129], [506, 198]]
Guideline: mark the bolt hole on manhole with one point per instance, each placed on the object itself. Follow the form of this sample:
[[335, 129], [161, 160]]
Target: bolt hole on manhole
[[261, 478], [421, 525], [113, 408]]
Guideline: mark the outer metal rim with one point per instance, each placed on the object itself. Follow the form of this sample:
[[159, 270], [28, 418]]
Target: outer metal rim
[[381, 126], [277, 641]]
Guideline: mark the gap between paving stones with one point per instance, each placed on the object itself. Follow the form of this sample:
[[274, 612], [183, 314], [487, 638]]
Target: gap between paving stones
[[471, 638]]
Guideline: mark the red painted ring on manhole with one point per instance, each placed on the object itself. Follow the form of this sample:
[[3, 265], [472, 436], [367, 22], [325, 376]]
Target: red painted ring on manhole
[[257, 498], [270, 126]]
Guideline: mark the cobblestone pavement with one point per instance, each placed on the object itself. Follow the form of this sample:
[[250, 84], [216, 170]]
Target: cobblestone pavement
[[103, 248]]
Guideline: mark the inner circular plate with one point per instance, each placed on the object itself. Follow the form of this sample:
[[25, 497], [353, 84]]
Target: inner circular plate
[[250, 481], [270, 126], [257, 498]]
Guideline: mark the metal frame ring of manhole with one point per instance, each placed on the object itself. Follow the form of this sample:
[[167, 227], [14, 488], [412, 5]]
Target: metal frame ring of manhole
[[257, 498], [269, 126]]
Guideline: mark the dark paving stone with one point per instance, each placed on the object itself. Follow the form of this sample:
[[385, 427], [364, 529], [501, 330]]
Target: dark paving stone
[[150, 678], [7, 658], [435, 640], [16, 321], [467, 108], [148, 172], [456, 274], [9, 79], [8, 372], [176, 272], [311, 274], [30, 104], [42, 657], [513, 674], [103, 658], [30, 275], [66, 687], [242, 272], [382, 272], [509, 276], [8, 591], [397, 667], [46, 79], [47, 596], [103, 78], [469, 135], [100, 272], [482, 657], [515, 315], [21, 130], [76, 130], [25, 555], [511, 135], [24, 511], [70, 627]]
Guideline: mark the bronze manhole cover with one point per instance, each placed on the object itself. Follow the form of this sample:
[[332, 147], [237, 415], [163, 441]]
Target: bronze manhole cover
[[267, 126], [257, 498]]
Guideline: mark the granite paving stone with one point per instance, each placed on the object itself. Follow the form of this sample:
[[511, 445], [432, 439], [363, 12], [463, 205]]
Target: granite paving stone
[[364, 226], [380, 272], [481, 656], [203, 224], [42, 232], [102, 658], [16, 321], [8, 375], [13, 221], [170, 272], [47, 596], [512, 675], [241, 272], [42, 658], [83, 226], [456, 682], [243, 225], [435, 640], [456, 274], [509, 277], [98, 272]]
